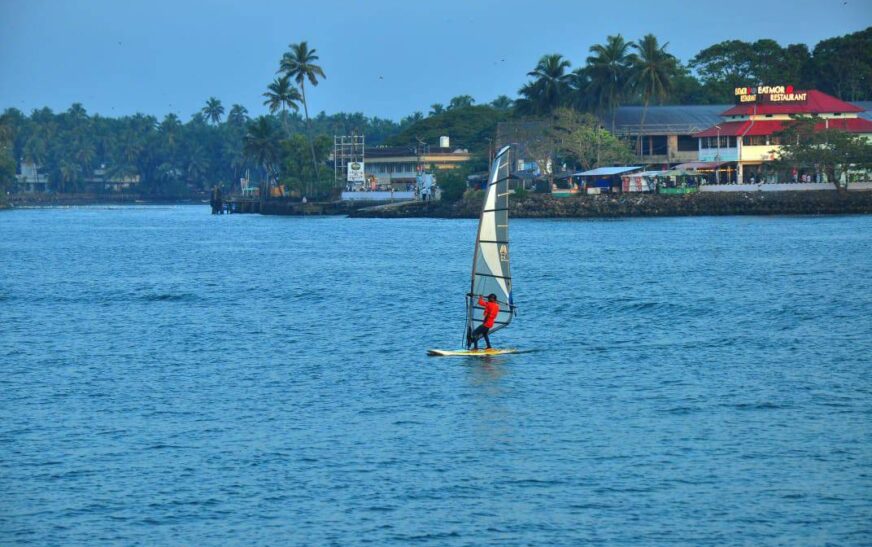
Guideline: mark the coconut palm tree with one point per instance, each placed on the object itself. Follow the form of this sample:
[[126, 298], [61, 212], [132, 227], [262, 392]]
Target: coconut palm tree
[[213, 110], [652, 72], [436, 108], [299, 64], [261, 145], [502, 103], [237, 116], [461, 101], [550, 86], [281, 95], [608, 67]]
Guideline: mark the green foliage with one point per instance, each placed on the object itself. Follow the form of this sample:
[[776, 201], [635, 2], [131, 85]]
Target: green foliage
[[474, 195], [461, 101], [829, 151], [608, 73], [584, 142], [843, 66], [549, 89], [213, 110], [281, 96], [469, 127], [453, 183], [79, 152], [7, 159], [652, 69], [296, 168], [520, 194], [734, 63]]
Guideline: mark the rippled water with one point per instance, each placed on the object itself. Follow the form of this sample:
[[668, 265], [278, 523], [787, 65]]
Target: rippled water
[[174, 377]]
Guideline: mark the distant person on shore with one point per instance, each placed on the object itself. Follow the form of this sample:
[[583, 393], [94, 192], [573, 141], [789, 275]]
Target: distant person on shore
[[491, 309]]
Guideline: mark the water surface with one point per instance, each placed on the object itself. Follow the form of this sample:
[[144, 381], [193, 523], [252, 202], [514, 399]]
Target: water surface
[[169, 376]]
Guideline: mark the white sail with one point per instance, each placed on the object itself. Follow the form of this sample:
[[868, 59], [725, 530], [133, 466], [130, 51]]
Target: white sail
[[490, 263]]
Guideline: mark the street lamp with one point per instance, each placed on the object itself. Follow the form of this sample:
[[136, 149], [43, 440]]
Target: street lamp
[[718, 157]]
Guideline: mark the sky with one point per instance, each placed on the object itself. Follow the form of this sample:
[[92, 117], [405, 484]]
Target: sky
[[384, 58]]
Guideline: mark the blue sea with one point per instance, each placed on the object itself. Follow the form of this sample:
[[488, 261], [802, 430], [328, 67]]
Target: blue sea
[[172, 377]]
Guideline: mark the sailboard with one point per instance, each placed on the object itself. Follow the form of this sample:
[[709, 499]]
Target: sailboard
[[472, 352], [491, 273]]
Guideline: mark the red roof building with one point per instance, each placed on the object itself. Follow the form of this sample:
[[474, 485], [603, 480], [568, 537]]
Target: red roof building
[[748, 136]]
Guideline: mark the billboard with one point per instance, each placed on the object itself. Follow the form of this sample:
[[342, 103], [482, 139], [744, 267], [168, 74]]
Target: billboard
[[770, 94], [355, 172]]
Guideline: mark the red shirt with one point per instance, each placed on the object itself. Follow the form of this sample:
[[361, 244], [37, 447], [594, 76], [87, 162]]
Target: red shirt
[[491, 309]]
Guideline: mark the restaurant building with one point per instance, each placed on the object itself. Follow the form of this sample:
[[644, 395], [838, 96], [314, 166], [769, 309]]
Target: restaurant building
[[738, 148], [395, 167]]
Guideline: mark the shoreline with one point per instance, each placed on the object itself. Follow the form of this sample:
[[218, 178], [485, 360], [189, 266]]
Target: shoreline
[[646, 205], [16, 201], [532, 206]]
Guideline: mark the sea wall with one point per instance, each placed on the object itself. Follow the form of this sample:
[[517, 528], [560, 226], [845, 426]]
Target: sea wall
[[296, 208], [647, 205], [80, 199]]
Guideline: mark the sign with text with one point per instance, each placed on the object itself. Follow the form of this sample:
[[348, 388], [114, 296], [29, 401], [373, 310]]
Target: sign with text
[[355, 172], [770, 94]]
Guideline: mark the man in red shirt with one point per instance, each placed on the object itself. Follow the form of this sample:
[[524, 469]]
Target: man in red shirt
[[491, 309]]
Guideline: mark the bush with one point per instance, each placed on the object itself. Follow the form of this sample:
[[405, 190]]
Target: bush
[[473, 194], [452, 183]]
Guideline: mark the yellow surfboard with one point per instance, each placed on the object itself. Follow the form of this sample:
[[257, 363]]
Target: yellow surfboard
[[471, 352]]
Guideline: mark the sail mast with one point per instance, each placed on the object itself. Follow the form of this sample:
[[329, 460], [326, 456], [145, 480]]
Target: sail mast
[[490, 262]]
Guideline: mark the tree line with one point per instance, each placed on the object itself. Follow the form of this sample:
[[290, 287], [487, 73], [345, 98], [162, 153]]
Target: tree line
[[173, 158], [644, 71]]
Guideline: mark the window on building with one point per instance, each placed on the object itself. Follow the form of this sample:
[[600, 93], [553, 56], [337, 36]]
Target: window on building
[[654, 145], [754, 140], [686, 143]]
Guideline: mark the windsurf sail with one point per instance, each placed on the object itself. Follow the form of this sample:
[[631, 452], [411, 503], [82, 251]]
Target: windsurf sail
[[490, 262]]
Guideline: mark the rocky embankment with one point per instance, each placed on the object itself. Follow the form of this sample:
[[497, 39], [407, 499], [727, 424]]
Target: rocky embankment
[[647, 205], [296, 208], [80, 199]]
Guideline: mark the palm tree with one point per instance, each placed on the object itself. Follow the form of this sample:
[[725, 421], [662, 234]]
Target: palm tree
[[261, 145], [169, 128], [281, 95], [238, 115], [549, 89], [461, 101], [436, 108], [580, 84], [299, 64], [414, 117], [503, 103], [608, 68], [213, 110], [652, 73], [197, 164]]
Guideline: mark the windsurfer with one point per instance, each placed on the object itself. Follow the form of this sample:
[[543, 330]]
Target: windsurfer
[[491, 309]]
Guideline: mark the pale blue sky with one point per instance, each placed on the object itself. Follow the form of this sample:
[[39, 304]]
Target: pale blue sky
[[158, 56]]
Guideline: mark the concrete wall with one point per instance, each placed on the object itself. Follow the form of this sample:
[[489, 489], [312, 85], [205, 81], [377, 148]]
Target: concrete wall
[[377, 196]]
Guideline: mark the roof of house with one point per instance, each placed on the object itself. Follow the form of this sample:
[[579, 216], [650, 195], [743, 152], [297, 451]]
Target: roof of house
[[696, 165], [409, 151], [768, 127], [817, 102], [606, 171], [664, 120]]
